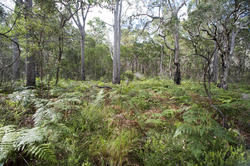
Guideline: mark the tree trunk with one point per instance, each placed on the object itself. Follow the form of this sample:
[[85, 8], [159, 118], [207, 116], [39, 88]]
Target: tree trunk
[[170, 66], [177, 75], [16, 56], [215, 66], [60, 41], [117, 39], [30, 70], [16, 59], [161, 61], [83, 78], [30, 58], [227, 60]]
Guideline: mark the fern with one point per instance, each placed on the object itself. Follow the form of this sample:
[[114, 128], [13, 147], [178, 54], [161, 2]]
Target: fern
[[25, 97], [200, 133], [99, 98], [41, 152], [24, 140]]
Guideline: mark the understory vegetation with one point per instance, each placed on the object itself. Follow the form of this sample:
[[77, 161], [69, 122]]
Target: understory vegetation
[[144, 122]]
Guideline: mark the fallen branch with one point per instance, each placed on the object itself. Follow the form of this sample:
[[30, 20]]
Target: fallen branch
[[105, 87]]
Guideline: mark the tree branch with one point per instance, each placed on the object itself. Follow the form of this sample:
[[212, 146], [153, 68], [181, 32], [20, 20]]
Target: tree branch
[[166, 43], [19, 51]]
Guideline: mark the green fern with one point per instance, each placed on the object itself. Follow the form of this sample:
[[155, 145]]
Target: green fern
[[99, 99], [13, 141], [200, 133], [41, 152]]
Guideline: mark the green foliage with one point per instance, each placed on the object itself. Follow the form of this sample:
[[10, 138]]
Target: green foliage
[[128, 75], [26, 141], [150, 122]]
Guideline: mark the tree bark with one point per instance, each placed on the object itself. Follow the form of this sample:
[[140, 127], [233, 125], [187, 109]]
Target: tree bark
[[16, 60], [177, 75], [84, 8], [16, 56], [60, 42], [226, 59], [30, 70], [83, 78], [30, 59], [170, 66], [117, 41], [161, 61], [215, 66]]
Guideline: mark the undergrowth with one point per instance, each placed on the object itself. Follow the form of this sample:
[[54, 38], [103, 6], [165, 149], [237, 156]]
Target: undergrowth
[[149, 122]]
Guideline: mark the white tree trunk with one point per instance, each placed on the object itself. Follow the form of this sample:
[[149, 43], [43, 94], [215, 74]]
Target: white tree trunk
[[227, 59], [117, 41]]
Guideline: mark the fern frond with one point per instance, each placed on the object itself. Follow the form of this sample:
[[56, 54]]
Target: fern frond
[[29, 136], [99, 98], [24, 140], [41, 152]]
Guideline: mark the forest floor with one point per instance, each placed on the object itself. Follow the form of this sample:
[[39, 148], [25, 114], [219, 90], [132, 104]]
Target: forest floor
[[148, 122]]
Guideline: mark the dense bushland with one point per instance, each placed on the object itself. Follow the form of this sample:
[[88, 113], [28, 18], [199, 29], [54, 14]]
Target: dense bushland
[[143, 122]]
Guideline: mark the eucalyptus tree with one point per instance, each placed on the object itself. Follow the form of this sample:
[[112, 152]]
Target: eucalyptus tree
[[16, 55], [222, 21], [165, 14], [117, 41], [172, 9], [98, 30], [81, 9], [64, 16], [30, 57]]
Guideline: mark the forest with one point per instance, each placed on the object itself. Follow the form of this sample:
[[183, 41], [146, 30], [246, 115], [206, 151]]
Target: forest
[[124, 83]]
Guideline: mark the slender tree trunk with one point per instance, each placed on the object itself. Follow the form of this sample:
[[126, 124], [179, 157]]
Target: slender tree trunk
[[30, 70], [117, 39], [16, 59], [132, 66], [16, 56], [115, 65], [83, 78], [84, 7], [170, 66], [136, 63], [60, 41], [161, 61], [177, 75], [30, 58]]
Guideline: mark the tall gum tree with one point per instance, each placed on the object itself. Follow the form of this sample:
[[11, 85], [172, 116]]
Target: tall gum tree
[[30, 58], [117, 41], [81, 10], [168, 19], [222, 21], [16, 56]]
